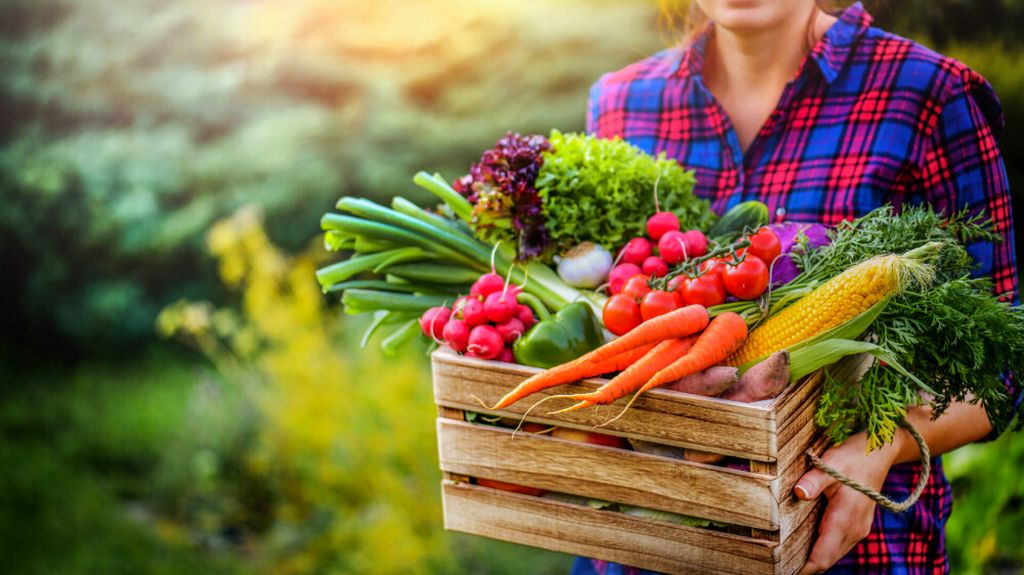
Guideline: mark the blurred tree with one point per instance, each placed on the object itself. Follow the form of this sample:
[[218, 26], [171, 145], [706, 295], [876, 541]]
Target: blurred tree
[[128, 128]]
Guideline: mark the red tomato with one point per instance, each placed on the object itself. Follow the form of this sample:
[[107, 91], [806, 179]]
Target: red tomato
[[637, 287], [706, 290], [621, 313], [748, 279], [713, 266], [765, 245], [656, 303], [513, 487]]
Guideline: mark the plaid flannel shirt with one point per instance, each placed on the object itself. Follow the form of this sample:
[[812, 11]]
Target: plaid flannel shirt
[[869, 118]]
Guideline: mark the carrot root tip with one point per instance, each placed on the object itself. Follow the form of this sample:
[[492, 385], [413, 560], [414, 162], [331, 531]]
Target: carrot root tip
[[572, 407]]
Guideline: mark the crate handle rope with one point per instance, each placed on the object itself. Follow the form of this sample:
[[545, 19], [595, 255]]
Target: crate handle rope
[[875, 496]]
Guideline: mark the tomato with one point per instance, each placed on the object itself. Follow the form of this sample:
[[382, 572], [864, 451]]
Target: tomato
[[713, 266], [706, 290], [637, 287], [621, 314], [513, 487], [765, 245], [656, 303], [746, 280]]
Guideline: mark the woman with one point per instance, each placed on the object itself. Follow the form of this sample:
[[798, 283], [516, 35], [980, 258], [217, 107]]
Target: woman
[[824, 118]]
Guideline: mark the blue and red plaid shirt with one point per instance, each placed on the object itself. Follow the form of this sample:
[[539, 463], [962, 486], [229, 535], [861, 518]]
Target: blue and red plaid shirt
[[869, 118]]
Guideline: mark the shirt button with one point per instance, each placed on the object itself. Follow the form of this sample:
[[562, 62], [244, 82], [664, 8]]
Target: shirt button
[[780, 212]]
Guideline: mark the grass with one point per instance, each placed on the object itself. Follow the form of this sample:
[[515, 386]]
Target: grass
[[128, 468]]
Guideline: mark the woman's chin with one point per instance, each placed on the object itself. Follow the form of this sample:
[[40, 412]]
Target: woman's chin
[[747, 16]]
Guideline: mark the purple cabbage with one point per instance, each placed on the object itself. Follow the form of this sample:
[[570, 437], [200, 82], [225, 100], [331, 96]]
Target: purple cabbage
[[506, 205], [789, 234]]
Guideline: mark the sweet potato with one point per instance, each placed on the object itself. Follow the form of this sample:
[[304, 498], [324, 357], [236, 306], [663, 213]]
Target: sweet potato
[[762, 381], [710, 382]]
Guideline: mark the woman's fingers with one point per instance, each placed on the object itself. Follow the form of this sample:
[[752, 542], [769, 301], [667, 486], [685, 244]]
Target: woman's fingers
[[846, 521], [812, 484]]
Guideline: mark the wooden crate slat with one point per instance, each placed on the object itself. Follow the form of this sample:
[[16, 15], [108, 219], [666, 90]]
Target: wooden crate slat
[[797, 546], [605, 535], [608, 473], [667, 417]]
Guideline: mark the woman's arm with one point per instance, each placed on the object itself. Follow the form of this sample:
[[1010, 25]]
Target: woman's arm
[[849, 514]]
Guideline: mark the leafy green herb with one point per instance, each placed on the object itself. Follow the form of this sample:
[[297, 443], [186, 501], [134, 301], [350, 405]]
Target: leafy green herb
[[603, 191], [955, 335]]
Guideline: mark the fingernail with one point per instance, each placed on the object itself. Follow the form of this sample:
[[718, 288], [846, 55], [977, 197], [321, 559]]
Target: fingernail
[[801, 492]]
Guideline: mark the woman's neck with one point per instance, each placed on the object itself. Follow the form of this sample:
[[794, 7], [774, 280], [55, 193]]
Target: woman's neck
[[751, 59], [748, 71]]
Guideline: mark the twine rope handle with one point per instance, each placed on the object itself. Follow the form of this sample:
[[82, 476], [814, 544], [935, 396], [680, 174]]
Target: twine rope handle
[[882, 500]]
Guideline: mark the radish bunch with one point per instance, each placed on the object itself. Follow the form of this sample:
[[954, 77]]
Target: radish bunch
[[664, 246], [483, 324]]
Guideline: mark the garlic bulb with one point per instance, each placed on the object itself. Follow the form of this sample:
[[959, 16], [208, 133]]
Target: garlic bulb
[[585, 266]]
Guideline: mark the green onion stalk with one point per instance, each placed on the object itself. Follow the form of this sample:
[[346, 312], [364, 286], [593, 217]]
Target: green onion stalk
[[427, 259]]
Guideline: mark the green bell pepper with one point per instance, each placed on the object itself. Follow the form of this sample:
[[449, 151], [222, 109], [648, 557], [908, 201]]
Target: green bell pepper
[[556, 339]]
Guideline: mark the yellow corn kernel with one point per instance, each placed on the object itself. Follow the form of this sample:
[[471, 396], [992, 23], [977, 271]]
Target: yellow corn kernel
[[837, 301]]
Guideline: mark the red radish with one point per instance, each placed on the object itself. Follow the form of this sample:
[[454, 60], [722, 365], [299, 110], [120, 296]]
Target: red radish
[[506, 355], [661, 223], [635, 251], [456, 334], [525, 315], [696, 243], [487, 284], [510, 330], [619, 274], [500, 306], [433, 320], [655, 267], [673, 246], [484, 342], [472, 312]]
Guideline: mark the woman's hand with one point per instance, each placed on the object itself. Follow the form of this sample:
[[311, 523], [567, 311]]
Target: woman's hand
[[849, 514]]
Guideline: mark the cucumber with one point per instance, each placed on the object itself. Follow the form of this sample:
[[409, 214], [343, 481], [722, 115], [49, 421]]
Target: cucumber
[[746, 215]]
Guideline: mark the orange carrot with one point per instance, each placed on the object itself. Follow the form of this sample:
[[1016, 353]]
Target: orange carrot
[[677, 323], [570, 372], [659, 357], [723, 336]]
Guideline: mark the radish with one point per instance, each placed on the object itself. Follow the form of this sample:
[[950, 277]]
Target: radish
[[472, 312], [655, 267], [500, 306], [673, 247], [619, 274], [484, 342], [525, 315], [696, 243], [507, 356], [456, 334], [510, 330], [433, 320], [487, 284], [635, 251], [661, 223]]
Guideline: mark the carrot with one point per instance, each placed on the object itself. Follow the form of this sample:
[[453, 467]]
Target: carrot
[[569, 372], [677, 323], [635, 375], [723, 336]]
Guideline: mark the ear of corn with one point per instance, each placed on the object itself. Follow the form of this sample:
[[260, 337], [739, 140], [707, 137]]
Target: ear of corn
[[834, 303]]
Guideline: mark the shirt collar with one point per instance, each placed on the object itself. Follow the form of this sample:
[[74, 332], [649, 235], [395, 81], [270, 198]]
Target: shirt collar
[[830, 53]]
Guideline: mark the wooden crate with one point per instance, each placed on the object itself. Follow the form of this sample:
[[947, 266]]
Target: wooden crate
[[770, 530]]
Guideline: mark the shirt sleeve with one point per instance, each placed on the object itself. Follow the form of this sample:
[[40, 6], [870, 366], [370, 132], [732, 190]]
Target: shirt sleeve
[[962, 168]]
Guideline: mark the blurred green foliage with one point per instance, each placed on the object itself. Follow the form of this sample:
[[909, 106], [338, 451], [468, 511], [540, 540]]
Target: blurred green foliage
[[133, 126], [128, 128]]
